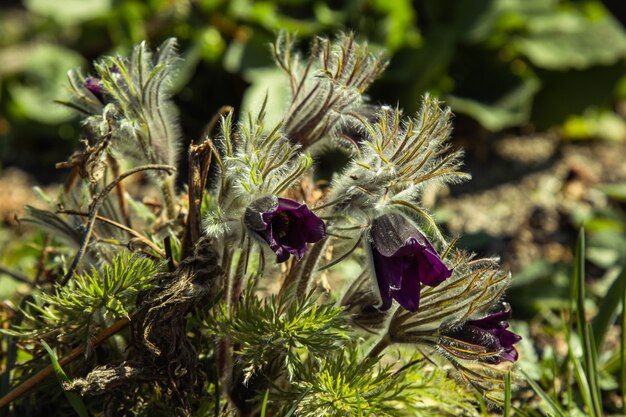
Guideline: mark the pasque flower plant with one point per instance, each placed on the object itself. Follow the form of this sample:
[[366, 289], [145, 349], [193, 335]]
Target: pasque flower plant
[[356, 263]]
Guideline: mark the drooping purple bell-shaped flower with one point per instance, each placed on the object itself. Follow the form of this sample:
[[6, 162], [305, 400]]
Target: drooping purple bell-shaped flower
[[496, 325], [487, 340], [403, 260], [285, 225]]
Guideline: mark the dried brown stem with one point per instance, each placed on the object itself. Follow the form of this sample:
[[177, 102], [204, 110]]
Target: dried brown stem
[[40, 376], [121, 192], [95, 206], [130, 231]]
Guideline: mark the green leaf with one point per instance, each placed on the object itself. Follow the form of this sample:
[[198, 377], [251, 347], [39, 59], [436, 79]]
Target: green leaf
[[615, 191], [266, 82], [595, 123], [570, 40], [74, 399], [264, 403], [44, 81], [69, 12], [511, 109], [608, 309], [590, 359]]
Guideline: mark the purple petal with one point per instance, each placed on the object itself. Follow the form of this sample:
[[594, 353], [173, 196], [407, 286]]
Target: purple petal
[[408, 294], [93, 84], [289, 205], [496, 325], [495, 319], [508, 338], [509, 354], [432, 271], [285, 225], [388, 272], [403, 260]]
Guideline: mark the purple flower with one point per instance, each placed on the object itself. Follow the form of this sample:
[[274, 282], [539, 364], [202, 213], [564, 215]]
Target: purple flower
[[403, 260], [503, 339], [285, 225], [486, 340], [94, 85]]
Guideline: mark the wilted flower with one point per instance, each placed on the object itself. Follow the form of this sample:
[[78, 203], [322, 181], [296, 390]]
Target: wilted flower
[[486, 339], [403, 260], [285, 225]]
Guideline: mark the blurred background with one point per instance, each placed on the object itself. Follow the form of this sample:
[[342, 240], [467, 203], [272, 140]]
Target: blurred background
[[538, 88]]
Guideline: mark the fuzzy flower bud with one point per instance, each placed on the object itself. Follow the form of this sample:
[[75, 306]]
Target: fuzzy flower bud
[[403, 260], [94, 85], [284, 225]]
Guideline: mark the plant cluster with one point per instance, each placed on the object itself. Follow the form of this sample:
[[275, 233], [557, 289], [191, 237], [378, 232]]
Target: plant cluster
[[263, 287]]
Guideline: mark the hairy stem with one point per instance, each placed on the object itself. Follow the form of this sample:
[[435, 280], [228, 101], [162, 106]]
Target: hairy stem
[[167, 189], [311, 260], [381, 345]]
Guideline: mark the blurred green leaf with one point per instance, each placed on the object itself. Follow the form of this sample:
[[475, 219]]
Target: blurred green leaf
[[559, 41], [68, 12], [587, 376], [565, 93], [270, 82], [595, 123], [615, 191], [44, 81], [508, 14], [398, 25], [511, 109]]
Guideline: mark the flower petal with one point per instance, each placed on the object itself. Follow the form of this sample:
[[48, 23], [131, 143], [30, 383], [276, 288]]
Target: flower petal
[[285, 225]]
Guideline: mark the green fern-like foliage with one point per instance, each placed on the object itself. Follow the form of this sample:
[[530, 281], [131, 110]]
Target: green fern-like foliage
[[281, 329], [344, 384], [93, 299]]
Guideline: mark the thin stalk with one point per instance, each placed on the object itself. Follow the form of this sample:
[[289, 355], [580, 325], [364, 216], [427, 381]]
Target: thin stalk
[[40, 376], [17, 276], [121, 192], [240, 272], [167, 189], [120, 226], [378, 348], [93, 213], [311, 260]]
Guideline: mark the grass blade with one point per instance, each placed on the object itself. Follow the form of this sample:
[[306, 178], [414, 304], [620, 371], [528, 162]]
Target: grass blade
[[507, 395], [74, 399], [295, 405], [558, 411], [608, 310], [582, 382], [264, 403], [590, 361]]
